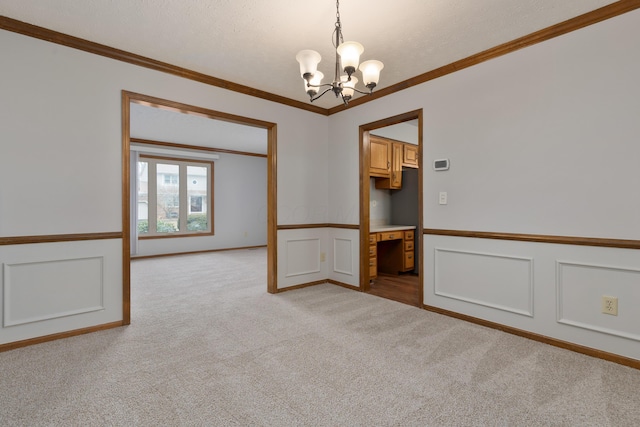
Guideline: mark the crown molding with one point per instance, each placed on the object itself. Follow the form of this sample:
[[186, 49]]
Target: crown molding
[[573, 24]]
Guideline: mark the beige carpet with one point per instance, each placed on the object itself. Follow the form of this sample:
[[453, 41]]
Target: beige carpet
[[209, 347]]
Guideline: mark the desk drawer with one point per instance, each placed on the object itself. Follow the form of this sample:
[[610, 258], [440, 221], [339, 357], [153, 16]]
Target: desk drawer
[[373, 251], [408, 245], [408, 260], [408, 235], [373, 238], [391, 235]]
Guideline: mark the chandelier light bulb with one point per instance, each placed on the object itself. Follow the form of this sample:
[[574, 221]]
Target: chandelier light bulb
[[348, 86], [315, 80], [350, 56], [309, 60], [371, 72]]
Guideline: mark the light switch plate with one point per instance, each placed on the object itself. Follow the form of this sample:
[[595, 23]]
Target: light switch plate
[[443, 198]]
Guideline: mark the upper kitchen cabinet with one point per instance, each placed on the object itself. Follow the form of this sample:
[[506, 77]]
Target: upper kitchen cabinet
[[388, 157], [381, 153], [410, 156], [394, 182]]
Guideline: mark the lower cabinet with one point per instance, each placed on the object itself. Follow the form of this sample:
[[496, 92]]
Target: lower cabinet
[[391, 252]]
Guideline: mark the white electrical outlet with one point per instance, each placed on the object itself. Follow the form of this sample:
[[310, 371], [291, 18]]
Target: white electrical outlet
[[323, 257], [610, 305]]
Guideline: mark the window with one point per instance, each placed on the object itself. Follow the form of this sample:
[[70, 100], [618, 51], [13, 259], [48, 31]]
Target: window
[[174, 197]]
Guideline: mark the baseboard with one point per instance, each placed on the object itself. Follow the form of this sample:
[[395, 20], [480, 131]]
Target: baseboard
[[39, 340], [344, 285], [133, 257], [611, 357], [300, 286]]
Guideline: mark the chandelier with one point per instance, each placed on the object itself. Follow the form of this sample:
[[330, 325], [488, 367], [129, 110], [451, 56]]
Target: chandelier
[[347, 54]]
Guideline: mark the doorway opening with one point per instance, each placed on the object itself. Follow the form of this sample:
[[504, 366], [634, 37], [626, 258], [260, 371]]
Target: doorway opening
[[391, 208], [130, 99]]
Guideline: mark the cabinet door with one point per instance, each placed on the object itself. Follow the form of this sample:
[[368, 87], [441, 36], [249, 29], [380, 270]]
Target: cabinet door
[[396, 165], [410, 156], [380, 164]]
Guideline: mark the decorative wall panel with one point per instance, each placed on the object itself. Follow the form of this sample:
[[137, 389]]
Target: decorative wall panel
[[504, 282], [44, 290], [342, 259], [303, 256], [580, 288]]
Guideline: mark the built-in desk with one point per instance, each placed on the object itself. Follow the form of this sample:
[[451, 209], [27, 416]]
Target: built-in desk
[[391, 249]]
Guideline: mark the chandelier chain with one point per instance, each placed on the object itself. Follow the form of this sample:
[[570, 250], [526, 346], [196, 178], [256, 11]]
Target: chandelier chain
[[338, 24]]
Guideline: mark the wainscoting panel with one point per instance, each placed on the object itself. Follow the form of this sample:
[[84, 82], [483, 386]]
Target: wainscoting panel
[[345, 251], [49, 288], [302, 256], [497, 281], [552, 290], [580, 288], [342, 256], [37, 291]]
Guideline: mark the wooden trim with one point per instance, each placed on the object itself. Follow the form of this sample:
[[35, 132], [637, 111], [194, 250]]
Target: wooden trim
[[344, 285], [610, 11], [611, 357], [126, 207], [576, 23], [325, 225], [344, 226], [176, 236], [365, 160], [41, 33], [589, 18], [210, 196], [55, 238], [541, 238], [137, 257], [179, 107], [301, 226], [272, 207], [39, 340], [194, 148], [302, 285]]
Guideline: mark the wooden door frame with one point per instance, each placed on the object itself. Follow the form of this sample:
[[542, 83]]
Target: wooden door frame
[[127, 99], [365, 157]]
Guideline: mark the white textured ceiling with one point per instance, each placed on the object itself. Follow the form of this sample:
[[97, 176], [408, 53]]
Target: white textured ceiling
[[254, 43]]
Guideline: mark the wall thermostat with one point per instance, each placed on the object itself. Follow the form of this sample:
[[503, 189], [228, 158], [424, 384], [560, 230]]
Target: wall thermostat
[[441, 164]]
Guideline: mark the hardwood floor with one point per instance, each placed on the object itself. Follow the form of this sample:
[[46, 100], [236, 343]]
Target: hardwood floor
[[403, 288]]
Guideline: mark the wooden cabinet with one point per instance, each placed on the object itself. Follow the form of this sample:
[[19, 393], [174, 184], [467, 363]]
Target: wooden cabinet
[[394, 182], [373, 255], [380, 162], [391, 252], [410, 155], [409, 261], [387, 159]]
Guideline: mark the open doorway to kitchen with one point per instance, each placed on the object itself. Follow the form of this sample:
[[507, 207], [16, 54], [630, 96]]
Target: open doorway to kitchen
[[391, 264]]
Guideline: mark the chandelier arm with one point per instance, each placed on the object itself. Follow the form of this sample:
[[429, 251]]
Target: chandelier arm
[[363, 92], [325, 91], [322, 85]]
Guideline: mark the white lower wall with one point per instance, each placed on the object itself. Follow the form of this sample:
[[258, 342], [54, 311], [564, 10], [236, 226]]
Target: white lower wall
[[549, 289], [343, 255], [49, 288], [300, 254]]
